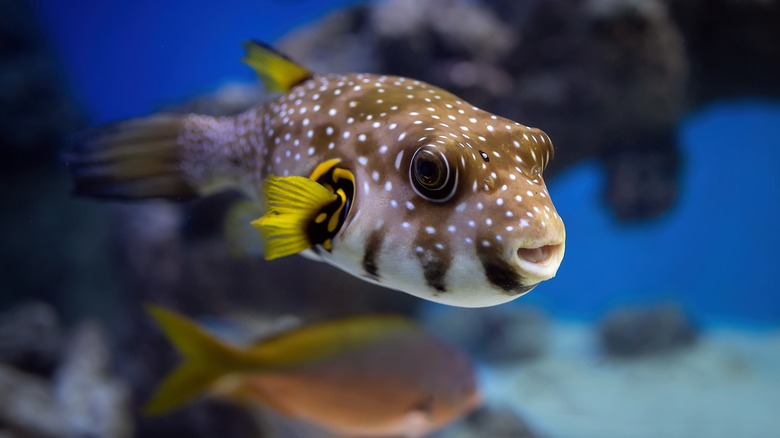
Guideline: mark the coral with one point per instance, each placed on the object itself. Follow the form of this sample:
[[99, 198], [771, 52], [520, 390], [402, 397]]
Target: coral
[[79, 398]]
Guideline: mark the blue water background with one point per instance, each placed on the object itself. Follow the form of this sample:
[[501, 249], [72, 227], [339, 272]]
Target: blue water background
[[129, 58], [715, 252]]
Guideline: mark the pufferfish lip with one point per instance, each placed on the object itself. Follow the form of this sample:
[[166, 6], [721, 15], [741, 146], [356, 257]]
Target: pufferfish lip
[[538, 263]]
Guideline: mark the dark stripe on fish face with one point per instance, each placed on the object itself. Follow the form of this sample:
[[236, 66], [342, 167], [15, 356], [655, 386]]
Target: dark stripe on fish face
[[373, 245], [499, 272], [435, 263]]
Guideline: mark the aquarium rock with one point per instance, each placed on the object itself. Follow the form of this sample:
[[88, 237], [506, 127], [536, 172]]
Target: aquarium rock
[[81, 398], [36, 110], [499, 334], [635, 332], [30, 338], [491, 421]]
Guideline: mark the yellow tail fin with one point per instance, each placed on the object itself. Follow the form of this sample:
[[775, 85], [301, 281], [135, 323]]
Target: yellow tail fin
[[205, 360]]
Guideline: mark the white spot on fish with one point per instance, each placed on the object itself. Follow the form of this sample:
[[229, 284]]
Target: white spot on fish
[[398, 160]]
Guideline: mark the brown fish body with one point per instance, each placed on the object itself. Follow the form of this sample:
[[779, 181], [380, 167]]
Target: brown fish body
[[407, 386], [359, 376], [439, 199], [374, 125]]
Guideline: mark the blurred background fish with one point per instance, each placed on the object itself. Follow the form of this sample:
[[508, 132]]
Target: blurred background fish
[[663, 115], [360, 376]]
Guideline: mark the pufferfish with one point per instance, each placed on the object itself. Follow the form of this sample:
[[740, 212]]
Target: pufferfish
[[390, 179]]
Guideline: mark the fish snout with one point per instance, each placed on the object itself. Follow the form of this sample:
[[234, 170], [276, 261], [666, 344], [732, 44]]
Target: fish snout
[[539, 262]]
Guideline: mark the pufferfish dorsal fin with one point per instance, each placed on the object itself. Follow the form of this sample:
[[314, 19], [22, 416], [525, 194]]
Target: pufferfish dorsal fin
[[293, 203], [278, 72]]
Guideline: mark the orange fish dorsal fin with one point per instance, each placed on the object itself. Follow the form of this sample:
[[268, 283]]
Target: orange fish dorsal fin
[[278, 72], [317, 342], [206, 359]]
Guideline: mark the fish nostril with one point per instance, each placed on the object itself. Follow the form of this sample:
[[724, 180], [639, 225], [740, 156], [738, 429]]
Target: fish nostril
[[540, 255]]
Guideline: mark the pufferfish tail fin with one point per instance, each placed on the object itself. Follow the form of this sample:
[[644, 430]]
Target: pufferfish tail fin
[[133, 159], [205, 360], [278, 72]]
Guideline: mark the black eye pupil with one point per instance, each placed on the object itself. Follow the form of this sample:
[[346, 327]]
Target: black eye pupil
[[431, 175], [428, 173]]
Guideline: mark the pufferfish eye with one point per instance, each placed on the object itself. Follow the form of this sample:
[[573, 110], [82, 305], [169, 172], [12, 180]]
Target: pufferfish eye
[[431, 175]]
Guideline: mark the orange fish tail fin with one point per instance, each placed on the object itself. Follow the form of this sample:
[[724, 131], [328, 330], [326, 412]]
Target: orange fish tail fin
[[134, 159], [205, 360]]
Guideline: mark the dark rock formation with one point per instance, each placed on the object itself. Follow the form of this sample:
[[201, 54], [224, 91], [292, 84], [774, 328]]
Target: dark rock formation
[[733, 47], [36, 111], [636, 332], [491, 421], [31, 338], [495, 334]]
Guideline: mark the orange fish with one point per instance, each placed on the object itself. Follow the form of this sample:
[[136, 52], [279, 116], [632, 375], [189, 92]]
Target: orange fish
[[363, 376]]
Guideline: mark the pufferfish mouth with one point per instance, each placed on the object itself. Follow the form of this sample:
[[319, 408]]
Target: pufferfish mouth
[[539, 263]]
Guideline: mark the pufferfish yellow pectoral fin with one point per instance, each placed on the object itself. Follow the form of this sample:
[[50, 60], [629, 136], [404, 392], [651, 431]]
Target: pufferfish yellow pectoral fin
[[293, 203], [277, 72]]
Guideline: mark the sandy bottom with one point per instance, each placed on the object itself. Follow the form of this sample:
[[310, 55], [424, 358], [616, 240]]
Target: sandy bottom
[[728, 385]]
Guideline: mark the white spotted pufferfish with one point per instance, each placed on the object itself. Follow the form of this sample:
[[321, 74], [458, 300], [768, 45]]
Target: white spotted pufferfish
[[388, 178]]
